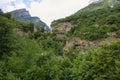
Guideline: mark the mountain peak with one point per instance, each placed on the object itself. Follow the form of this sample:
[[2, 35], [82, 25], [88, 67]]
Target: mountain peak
[[20, 13], [22, 9], [24, 15]]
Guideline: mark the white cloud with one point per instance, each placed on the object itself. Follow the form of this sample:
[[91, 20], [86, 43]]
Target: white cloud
[[7, 7], [49, 10], [19, 4], [4, 1]]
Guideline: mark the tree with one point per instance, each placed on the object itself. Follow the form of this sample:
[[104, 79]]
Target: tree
[[100, 64], [7, 36]]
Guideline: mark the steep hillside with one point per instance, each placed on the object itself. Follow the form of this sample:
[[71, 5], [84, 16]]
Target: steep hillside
[[95, 24], [23, 15], [63, 54], [93, 7]]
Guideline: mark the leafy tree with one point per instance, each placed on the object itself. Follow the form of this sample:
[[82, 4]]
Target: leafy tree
[[100, 64], [7, 36]]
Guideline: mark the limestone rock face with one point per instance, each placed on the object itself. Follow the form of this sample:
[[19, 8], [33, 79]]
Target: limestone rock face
[[76, 42], [63, 27], [23, 15]]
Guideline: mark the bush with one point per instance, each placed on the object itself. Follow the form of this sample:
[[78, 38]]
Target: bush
[[100, 64], [7, 36]]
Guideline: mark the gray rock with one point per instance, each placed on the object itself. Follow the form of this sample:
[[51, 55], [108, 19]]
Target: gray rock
[[23, 15]]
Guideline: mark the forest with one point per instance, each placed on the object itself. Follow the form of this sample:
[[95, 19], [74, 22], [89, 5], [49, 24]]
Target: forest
[[29, 55]]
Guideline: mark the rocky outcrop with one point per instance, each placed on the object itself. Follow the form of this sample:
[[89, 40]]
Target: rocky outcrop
[[23, 15], [63, 27], [76, 42], [83, 45]]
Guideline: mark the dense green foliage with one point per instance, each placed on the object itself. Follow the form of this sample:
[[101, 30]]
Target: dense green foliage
[[94, 21], [7, 37], [29, 55], [100, 64]]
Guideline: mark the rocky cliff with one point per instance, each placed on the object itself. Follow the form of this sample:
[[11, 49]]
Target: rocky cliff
[[23, 15]]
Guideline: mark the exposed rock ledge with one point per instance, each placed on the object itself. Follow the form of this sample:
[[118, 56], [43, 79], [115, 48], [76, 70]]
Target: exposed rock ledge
[[63, 27]]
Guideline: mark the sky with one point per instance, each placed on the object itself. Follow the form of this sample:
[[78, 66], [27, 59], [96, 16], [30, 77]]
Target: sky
[[46, 10]]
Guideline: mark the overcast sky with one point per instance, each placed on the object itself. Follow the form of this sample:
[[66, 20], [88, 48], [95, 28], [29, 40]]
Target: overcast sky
[[47, 10]]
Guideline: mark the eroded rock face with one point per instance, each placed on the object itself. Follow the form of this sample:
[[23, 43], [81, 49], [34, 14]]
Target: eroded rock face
[[63, 27], [76, 42], [23, 15], [84, 45]]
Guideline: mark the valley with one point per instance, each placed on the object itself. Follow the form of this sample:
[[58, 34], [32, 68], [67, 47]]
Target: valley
[[82, 46]]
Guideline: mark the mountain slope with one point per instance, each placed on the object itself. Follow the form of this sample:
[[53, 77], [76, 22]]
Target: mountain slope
[[95, 21], [23, 15], [92, 26], [46, 56]]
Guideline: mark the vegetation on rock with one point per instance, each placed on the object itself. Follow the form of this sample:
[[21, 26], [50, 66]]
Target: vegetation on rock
[[40, 55]]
